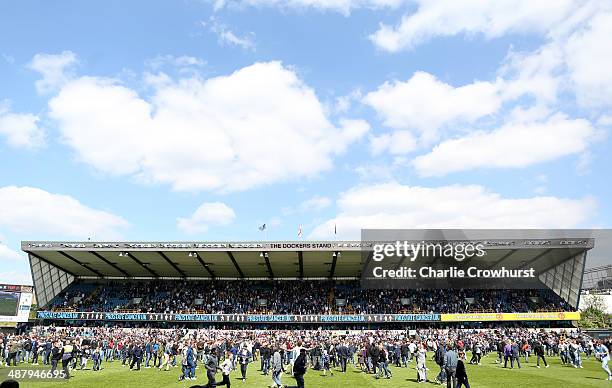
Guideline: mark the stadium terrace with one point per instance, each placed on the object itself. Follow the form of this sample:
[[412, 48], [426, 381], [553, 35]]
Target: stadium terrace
[[286, 282]]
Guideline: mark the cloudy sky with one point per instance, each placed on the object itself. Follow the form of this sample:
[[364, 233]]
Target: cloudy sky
[[201, 120]]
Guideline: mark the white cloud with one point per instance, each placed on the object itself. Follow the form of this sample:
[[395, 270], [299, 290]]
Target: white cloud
[[183, 61], [438, 18], [208, 213], [20, 129], [227, 37], [375, 172], [392, 205], [605, 120], [14, 266], [342, 6], [316, 203], [258, 125], [310, 205], [425, 104], [537, 74], [342, 104], [54, 68], [584, 163], [589, 59], [395, 143], [511, 146], [38, 214], [574, 57], [22, 277], [7, 254]]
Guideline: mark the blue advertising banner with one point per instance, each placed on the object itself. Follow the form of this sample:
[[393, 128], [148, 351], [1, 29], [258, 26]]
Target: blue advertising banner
[[238, 318]]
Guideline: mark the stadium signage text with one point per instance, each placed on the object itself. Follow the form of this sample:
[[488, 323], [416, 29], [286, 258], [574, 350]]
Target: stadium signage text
[[538, 316], [354, 318], [238, 318], [306, 245], [351, 245]]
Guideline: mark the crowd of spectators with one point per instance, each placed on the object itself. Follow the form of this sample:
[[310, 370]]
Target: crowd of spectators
[[294, 297], [371, 351]]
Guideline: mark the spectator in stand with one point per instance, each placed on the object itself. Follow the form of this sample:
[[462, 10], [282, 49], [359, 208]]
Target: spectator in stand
[[295, 297]]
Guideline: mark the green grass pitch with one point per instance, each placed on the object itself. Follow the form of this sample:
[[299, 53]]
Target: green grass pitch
[[8, 306], [487, 375]]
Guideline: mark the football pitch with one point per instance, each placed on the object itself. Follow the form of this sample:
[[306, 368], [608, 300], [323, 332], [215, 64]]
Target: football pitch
[[489, 374], [8, 305]]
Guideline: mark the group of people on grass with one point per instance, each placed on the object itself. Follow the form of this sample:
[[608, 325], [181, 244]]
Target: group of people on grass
[[217, 353]]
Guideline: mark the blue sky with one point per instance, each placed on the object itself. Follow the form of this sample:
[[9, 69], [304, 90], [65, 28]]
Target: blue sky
[[201, 120]]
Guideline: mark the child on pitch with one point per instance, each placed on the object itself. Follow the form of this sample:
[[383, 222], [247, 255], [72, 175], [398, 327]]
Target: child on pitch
[[326, 363]]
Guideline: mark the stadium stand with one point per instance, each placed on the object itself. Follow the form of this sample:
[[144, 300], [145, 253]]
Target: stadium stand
[[294, 297], [159, 305]]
